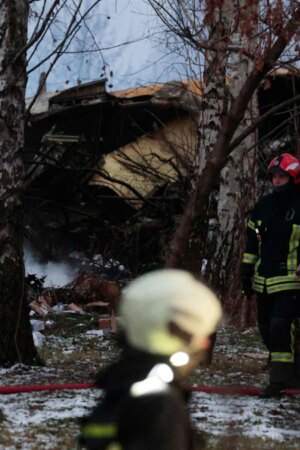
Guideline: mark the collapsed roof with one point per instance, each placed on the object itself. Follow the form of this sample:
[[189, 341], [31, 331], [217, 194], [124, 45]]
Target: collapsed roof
[[143, 126], [99, 156]]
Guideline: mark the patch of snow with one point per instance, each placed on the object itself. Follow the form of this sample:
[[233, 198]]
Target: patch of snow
[[93, 333], [250, 416], [214, 414], [38, 338], [21, 409]]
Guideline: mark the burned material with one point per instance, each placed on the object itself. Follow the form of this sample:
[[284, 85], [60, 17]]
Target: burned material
[[108, 173], [84, 294], [99, 166]]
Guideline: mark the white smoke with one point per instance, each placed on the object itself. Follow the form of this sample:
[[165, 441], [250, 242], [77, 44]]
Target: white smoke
[[57, 273]]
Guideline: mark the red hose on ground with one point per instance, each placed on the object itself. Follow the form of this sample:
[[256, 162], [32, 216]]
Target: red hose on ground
[[223, 390], [43, 387]]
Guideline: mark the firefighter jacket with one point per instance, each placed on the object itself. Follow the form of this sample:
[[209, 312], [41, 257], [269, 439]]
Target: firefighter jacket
[[133, 416], [272, 252]]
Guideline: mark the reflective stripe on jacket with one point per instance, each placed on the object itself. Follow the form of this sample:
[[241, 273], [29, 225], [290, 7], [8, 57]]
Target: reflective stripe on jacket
[[272, 252]]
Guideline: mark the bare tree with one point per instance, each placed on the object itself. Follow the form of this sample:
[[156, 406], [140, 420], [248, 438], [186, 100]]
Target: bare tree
[[238, 43], [226, 71], [59, 24], [16, 344], [277, 40]]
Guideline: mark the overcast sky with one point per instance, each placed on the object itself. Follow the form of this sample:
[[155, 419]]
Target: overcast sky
[[113, 23]]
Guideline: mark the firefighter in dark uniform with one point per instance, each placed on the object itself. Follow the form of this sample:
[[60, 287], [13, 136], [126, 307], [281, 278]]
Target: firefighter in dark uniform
[[167, 317], [271, 270]]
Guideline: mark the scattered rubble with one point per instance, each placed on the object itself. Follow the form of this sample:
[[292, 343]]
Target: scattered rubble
[[41, 305], [85, 294]]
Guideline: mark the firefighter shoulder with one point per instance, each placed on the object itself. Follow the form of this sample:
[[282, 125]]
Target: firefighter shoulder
[[271, 256], [167, 317]]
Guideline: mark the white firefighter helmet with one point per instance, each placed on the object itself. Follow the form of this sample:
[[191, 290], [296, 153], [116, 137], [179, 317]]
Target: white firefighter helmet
[[154, 301]]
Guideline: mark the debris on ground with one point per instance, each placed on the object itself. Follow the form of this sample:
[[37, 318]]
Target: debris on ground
[[85, 294], [41, 305]]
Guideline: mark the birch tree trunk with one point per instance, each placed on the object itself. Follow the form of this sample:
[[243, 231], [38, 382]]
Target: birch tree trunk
[[16, 343], [184, 248], [190, 239], [214, 245], [214, 108], [235, 191]]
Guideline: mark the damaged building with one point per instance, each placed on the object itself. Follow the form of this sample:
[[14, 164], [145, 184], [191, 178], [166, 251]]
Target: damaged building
[[106, 172]]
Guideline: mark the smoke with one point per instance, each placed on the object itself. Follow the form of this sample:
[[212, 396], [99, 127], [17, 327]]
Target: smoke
[[57, 273]]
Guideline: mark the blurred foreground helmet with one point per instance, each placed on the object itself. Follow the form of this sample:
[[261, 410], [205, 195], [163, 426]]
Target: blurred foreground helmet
[[167, 311], [286, 164]]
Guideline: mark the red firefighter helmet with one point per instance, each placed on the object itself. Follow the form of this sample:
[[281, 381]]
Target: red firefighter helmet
[[287, 164]]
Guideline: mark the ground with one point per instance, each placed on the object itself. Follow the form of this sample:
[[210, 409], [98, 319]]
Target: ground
[[74, 349]]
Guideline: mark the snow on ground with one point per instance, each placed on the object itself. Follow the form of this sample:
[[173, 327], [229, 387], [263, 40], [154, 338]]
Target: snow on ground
[[27, 409], [212, 413], [49, 420], [250, 416], [216, 411]]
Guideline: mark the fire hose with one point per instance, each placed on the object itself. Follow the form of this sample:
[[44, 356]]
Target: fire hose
[[222, 390]]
